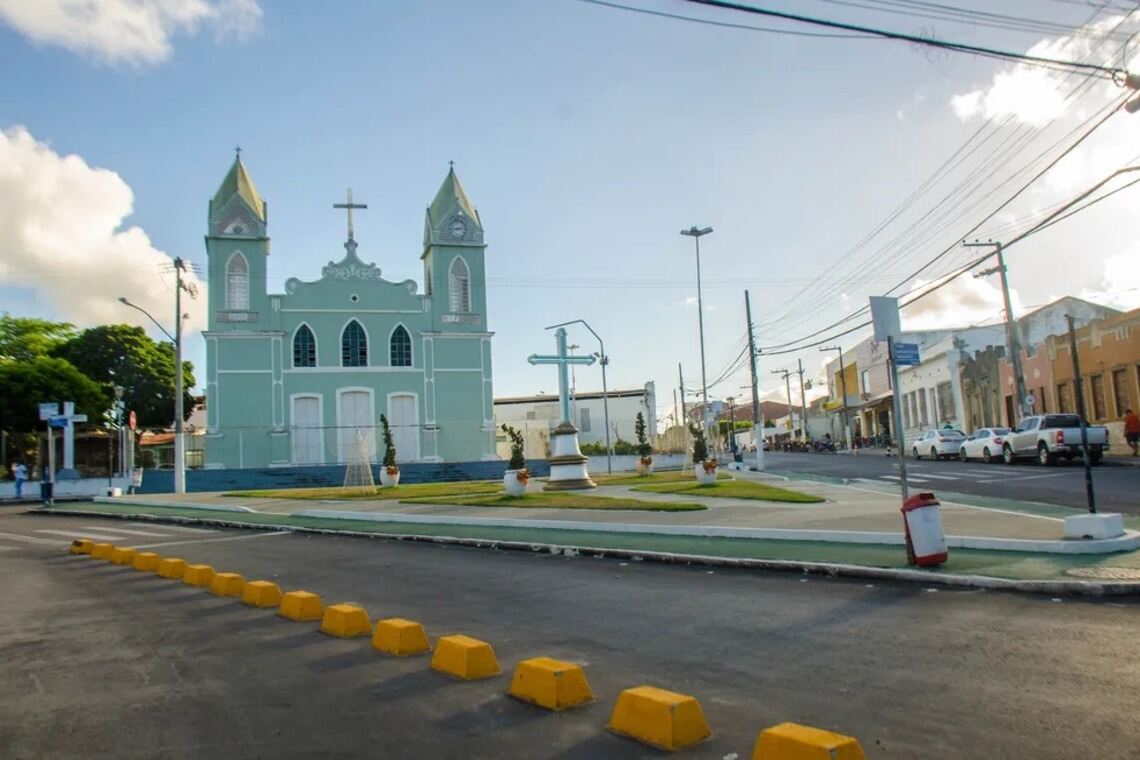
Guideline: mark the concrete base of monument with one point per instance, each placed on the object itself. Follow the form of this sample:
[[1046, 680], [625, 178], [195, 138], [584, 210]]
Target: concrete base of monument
[[567, 463]]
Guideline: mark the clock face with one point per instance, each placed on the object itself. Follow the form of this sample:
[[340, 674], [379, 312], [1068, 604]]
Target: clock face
[[457, 229]]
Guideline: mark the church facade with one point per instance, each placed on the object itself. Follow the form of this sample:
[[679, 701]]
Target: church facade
[[301, 377]]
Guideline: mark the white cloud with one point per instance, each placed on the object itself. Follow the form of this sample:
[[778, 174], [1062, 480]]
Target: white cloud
[[61, 232], [1033, 95], [965, 301], [1120, 286], [126, 31], [690, 302]]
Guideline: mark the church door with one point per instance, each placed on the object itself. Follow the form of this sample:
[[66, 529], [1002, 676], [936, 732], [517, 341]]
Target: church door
[[307, 430], [355, 414], [403, 418]]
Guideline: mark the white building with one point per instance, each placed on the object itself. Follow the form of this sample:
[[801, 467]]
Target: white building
[[536, 416]]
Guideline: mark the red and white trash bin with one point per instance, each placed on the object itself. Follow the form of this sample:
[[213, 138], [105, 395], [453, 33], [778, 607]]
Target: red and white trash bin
[[925, 541]]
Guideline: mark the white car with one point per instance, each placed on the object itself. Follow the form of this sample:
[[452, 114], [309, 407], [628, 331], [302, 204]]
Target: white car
[[938, 443], [985, 444]]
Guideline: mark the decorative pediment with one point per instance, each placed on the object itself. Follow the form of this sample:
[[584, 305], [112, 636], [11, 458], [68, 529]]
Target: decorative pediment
[[351, 267], [236, 219]]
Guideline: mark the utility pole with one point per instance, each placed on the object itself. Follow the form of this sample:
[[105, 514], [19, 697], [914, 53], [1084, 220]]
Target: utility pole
[[788, 389], [897, 433], [843, 390], [757, 423], [179, 444], [696, 234], [681, 380], [1079, 390], [732, 423], [1012, 332], [803, 402]]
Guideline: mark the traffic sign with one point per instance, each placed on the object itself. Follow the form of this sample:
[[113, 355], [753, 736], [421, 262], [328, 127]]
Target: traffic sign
[[132, 420], [48, 410], [906, 354]]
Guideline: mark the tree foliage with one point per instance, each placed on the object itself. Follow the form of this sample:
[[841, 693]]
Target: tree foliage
[[644, 448], [25, 338], [124, 355], [518, 457], [700, 447], [25, 384], [389, 444]]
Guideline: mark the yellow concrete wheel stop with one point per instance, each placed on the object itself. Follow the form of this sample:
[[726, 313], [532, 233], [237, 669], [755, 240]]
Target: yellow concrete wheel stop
[[123, 555], [198, 575], [171, 567], [81, 546], [464, 657], [345, 621], [659, 718], [792, 741], [227, 584], [146, 561], [102, 551], [552, 684], [261, 594], [301, 605], [400, 637]]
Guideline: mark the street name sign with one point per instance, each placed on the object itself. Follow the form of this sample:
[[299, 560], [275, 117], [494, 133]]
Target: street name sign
[[906, 354]]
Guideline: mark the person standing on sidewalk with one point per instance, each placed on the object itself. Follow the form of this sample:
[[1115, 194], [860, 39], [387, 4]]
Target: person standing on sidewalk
[[1132, 430], [20, 472]]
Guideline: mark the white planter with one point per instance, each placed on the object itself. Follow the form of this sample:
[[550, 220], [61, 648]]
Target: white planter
[[511, 482], [387, 480], [703, 477], [643, 468]]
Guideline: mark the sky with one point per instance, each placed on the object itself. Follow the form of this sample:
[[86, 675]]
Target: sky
[[588, 136]]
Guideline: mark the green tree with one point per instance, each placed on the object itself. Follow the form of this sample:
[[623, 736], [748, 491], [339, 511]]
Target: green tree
[[124, 355], [26, 338], [24, 384], [389, 444]]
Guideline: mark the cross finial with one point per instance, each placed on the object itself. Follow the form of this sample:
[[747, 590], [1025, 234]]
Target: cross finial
[[451, 165], [349, 205], [237, 151]]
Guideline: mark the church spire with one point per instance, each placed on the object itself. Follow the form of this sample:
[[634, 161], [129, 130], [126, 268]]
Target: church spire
[[452, 218], [450, 199], [239, 183]]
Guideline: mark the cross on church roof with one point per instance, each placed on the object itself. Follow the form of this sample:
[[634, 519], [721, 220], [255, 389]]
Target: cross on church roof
[[237, 151], [350, 206]]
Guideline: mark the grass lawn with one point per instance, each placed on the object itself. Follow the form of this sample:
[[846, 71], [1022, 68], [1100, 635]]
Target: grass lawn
[[732, 489], [558, 500], [670, 476], [411, 490]]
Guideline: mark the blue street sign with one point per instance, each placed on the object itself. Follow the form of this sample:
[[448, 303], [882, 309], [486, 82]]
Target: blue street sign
[[58, 422], [906, 354]]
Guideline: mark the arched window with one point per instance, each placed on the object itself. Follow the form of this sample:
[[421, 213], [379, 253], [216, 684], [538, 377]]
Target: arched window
[[400, 348], [237, 283], [459, 287], [304, 347], [353, 346]]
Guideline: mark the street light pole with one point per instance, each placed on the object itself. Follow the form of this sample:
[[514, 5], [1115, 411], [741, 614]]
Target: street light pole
[[696, 234], [604, 359]]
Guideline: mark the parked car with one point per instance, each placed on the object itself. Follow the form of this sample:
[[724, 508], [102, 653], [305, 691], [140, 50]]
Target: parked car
[[985, 444], [938, 443], [1048, 437]]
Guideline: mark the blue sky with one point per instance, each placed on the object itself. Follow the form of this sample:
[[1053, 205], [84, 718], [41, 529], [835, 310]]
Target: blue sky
[[587, 137]]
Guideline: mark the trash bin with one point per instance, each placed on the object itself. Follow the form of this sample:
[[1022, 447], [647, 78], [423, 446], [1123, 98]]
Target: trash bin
[[925, 541], [46, 491]]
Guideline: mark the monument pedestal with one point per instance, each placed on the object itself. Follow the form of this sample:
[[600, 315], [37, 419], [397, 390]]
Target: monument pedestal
[[567, 463]]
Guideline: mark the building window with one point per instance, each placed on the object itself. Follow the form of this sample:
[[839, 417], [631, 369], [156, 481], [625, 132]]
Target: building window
[[1064, 398], [459, 287], [907, 418], [1120, 391], [304, 348], [237, 283], [353, 346], [400, 348], [922, 412], [865, 380], [530, 415], [1098, 399], [584, 420], [945, 401]]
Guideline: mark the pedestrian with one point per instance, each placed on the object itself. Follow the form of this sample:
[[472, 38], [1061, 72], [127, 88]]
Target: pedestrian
[[20, 471], [1132, 430]]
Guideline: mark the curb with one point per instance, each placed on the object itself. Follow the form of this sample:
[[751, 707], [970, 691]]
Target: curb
[[824, 569]]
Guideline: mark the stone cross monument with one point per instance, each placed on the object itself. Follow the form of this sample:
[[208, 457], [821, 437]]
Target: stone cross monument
[[567, 463]]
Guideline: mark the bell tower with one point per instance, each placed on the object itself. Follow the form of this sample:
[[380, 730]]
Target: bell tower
[[454, 273], [237, 245]]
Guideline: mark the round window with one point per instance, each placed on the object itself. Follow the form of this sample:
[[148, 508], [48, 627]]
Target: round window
[[354, 298]]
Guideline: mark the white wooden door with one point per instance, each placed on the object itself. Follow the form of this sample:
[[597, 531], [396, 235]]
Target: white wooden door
[[403, 419], [355, 414], [307, 430]]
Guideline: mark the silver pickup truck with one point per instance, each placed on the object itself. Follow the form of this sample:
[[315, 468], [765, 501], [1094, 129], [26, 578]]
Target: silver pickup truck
[[1048, 437]]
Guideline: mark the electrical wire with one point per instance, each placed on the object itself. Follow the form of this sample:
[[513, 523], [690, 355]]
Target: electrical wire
[[727, 24]]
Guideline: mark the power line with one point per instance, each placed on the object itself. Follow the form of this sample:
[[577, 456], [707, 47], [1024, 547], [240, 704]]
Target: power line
[[727, 24]]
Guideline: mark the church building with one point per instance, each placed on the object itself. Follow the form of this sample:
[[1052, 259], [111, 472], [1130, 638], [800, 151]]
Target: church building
[[302, 377]]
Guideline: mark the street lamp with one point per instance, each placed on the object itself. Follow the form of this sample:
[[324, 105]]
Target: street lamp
[[604, 360], [732, 423], [843, 390], [179, 444], [696, 234]]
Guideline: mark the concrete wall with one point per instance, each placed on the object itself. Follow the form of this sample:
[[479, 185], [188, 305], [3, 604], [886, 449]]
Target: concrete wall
[[588, 412]]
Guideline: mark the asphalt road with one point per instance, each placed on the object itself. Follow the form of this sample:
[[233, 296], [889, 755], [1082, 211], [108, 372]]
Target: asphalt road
[[100, 660], [1117, 487]]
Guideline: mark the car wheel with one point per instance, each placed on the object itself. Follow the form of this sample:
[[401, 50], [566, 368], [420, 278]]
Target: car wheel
[[934, 453], [987, 457], [1007, 454], [962, 455], [1044, 457], [914, 453]]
